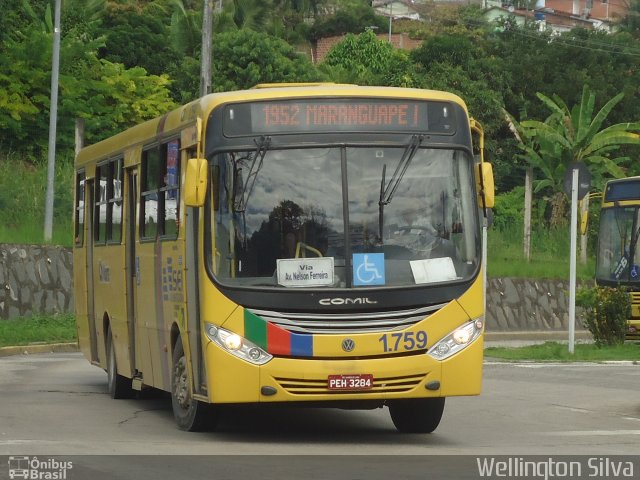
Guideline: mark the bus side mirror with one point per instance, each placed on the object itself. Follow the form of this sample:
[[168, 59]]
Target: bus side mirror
[[195, 182], [485, 185]]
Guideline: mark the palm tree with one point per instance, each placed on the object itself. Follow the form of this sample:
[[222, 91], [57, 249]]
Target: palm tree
[[252, 14], [575, 135], [185, 29]]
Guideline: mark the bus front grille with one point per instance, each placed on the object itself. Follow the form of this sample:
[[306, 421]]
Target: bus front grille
[[299, 386], [328, 323]]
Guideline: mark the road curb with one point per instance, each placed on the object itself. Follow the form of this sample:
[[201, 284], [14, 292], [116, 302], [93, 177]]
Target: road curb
[[555, 363], [39, 348]]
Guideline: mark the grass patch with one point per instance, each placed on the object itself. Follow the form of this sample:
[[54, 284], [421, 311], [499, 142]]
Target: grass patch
[[32, 233], [559, 352], [22, 201], [550, 249], [59, 328]]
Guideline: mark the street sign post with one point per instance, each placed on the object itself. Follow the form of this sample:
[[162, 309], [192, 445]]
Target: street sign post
[[577, 182]]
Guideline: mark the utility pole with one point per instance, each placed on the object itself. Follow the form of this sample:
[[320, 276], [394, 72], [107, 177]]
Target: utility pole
[[205, 61], [528, 200], [53, 121], [390, 18]]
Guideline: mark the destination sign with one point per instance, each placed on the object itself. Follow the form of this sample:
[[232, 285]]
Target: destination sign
[[331, 115], [623, 190]]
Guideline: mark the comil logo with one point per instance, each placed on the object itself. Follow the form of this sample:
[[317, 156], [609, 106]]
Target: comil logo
[[346, 301], [37, 469]]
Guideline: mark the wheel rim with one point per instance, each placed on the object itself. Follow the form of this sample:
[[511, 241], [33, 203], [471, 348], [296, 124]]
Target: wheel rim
[[181, 384]]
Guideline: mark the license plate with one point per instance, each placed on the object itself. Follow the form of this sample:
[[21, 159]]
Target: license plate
[[362, 381]]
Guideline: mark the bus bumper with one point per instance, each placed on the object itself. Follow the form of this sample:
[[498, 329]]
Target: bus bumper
[[306, 380], [633, 329]]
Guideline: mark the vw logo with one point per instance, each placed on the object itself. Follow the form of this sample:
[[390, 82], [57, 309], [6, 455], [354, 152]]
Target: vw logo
[[348, 345]]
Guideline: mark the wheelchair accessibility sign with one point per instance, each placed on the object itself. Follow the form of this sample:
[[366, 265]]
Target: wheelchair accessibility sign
[[368, 269]]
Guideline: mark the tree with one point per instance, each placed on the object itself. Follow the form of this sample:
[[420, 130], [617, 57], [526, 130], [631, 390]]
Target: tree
[[631, 22], [185, 31], [252, 14], [115, 98], [350, 17], [137, 37], [26, 72], [108, 95], [575, 135], [365, 60], [457, 62], [244, 58]]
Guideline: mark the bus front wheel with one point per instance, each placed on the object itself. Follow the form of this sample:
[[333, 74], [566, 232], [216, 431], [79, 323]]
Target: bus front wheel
[[417, 415], [190, 414]]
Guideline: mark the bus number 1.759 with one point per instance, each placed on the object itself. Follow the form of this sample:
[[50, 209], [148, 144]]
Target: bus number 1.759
[[393, 342]]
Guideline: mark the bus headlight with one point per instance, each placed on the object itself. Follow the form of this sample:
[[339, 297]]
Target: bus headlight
[[237, 345], [457, 340]]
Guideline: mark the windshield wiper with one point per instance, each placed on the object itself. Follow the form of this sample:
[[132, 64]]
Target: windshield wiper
[[262, 145], [381, 204], [386, 194]]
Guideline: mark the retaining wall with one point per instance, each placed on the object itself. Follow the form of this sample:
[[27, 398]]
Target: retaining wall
[[37, 279], [519, 304]]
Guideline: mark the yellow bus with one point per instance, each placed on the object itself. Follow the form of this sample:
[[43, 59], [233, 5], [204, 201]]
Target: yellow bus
[[314, 244], [618, 255]]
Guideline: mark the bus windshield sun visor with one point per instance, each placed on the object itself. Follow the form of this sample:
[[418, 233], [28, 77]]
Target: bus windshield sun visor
[[240, 201], [386, 194]]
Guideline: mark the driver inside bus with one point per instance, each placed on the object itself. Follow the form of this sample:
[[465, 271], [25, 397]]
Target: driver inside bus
[[416, 231]]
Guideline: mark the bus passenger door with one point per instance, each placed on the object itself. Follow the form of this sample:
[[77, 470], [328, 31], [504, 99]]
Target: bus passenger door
[[91, 311], [131, 264]]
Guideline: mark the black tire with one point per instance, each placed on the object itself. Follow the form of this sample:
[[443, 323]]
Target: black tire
[[119, 386], [190, 414], [417, 415]]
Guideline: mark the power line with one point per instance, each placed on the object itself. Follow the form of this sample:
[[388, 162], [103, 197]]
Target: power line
[[574, 42]]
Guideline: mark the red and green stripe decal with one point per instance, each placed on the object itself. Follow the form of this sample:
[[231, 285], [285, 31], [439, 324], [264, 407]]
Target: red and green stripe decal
[[276, 340]]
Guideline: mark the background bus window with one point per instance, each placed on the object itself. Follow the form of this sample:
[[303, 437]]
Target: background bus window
[[101, 203], [79, 217], [170, 186], [149, 201], [114, 214]]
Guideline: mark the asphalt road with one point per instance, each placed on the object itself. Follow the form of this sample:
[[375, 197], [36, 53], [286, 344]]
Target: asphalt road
[[57, 405]]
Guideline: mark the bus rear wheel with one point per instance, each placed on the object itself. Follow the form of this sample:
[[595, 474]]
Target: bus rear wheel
[[190, 414], [119, 386], [417, 415]]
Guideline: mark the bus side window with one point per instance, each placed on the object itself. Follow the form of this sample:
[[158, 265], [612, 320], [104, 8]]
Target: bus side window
[[79, 210], [114, 199], [100, 233], [170, 223], [149, 193]]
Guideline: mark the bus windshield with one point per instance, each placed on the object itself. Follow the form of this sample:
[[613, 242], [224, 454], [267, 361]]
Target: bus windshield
[[343, 217], [618, 257]]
